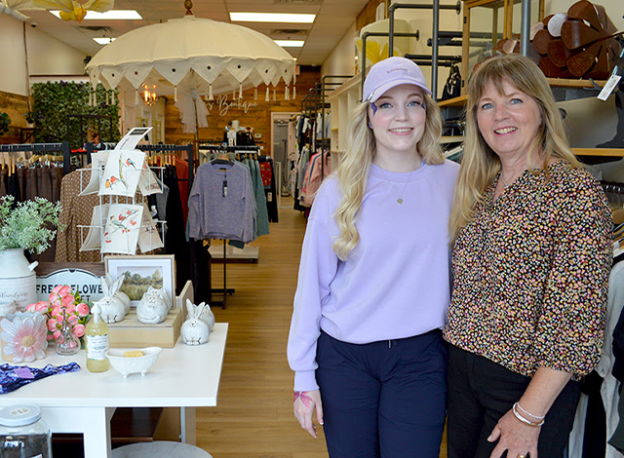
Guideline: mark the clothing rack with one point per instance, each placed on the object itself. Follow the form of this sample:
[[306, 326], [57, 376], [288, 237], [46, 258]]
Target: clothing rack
[[36, 148], [243, 149], [316, 102], [162, 148], [62, 147]]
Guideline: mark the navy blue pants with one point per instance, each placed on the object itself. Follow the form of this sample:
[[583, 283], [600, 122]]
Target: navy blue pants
[[384, 399]]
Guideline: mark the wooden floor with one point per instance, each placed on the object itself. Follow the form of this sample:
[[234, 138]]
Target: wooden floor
[[253, 418]]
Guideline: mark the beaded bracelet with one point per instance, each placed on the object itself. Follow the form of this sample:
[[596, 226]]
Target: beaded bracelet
[[524, 420], [529, 413]]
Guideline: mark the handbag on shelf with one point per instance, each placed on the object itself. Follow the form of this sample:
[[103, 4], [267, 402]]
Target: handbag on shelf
[[452, 88]]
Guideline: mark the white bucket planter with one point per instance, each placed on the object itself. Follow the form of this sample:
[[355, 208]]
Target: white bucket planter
[[18, 281]]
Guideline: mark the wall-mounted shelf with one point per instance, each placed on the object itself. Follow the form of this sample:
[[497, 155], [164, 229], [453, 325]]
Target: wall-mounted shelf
[[454, 102], [560, 82], [611, 152], [452, 139]]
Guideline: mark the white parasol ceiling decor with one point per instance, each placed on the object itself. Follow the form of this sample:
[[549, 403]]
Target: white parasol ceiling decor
[[195, 56], [12, 7]]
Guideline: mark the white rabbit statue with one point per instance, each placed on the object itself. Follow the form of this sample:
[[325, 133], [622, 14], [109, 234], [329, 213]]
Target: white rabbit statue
[[153, 307], [208, 317], [119, 294], [113, 310], [194, 331]]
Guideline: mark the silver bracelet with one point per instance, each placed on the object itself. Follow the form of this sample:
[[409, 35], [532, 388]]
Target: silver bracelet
[[529, 413], [524, 420]]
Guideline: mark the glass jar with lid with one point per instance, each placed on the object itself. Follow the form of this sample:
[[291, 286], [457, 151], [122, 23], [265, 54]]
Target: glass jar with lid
[[23, 433]]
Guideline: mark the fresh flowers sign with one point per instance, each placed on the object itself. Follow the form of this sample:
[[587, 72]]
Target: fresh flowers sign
[[61, 298]]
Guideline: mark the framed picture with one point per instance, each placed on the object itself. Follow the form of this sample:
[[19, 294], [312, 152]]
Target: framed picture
[[141, 272]]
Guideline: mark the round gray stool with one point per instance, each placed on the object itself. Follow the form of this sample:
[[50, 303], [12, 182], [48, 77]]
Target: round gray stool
[[160, 449]]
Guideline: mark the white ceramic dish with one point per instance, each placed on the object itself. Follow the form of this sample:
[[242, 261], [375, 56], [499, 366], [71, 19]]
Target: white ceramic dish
[[126, 365]]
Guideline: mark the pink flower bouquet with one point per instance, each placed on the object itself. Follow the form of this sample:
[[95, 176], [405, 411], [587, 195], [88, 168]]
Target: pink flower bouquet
[[61, 298]]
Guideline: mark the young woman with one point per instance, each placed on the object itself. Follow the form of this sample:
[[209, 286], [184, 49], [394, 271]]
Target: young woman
[[373, 288]]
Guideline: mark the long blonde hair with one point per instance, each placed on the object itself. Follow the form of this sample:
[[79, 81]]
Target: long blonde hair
[[355, 166], [480, 164]]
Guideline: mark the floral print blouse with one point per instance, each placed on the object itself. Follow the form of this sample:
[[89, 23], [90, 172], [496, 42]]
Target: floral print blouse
[[531, 272]]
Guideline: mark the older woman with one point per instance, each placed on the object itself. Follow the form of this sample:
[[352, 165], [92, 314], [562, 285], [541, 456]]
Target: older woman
[[530, 263], [374, 281]]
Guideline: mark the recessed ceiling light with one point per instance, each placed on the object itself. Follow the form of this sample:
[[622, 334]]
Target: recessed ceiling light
[[290, 43], [109, 15], [272, 17], [104, 40]]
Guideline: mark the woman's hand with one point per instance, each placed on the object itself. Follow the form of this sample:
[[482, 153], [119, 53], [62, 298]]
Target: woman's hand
[[515, 437], [303, 405]]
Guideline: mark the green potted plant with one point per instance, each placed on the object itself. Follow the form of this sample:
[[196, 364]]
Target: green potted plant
[[5, 122], [26, 226]]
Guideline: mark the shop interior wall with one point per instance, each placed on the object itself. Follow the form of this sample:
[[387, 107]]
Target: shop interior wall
[[341, 60], [248, 111], [14, 77], [45, 55]]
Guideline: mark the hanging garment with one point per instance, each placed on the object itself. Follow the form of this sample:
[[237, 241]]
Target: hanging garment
[[21, 180], [262, 215], [31, 183], [596, 417], [57, 173], [265, 172], [182, 173], [75, 211], [319, 168], [13, 188], [270, 192], [221, 204], [175, 238], [44, 187]]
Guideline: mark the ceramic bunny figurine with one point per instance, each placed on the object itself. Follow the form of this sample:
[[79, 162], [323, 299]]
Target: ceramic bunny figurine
[[113, 310], [119, 293], [153, 308], [208, 317], [194, 331]]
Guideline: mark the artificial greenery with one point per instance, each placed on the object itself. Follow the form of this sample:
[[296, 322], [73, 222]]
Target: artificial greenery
[[5, 122], [27, 224], [54, 101]]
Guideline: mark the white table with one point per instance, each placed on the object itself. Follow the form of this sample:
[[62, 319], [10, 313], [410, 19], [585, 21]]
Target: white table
[[84, 402]]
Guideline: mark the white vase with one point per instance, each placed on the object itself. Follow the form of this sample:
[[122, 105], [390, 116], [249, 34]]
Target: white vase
[[18, 281]]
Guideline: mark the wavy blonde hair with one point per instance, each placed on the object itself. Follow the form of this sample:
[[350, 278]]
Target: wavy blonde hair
[[480, 164], [355, 166]]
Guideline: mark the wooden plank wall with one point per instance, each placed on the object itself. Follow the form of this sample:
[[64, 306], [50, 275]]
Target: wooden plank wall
[[367, 15], [249, 112], [16, 106]]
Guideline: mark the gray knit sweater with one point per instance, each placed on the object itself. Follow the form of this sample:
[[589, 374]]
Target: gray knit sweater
[[217, 214]]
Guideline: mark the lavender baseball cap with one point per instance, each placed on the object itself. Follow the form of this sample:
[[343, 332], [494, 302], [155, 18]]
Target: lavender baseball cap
[[391, 72]]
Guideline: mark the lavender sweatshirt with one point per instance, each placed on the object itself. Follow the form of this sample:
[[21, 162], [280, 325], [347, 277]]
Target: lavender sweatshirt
[[396, 282]]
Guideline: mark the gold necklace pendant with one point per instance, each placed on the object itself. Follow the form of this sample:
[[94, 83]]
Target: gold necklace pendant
[[400, 196]]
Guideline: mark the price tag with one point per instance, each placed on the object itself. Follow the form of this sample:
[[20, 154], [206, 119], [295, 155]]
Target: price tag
[[269, 197], [609, 87], [224, 189]]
